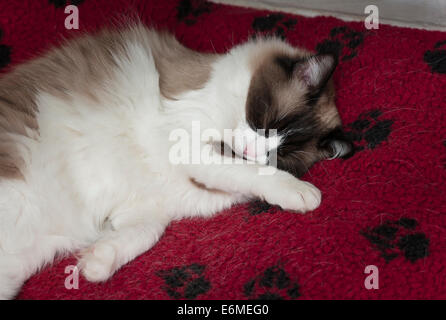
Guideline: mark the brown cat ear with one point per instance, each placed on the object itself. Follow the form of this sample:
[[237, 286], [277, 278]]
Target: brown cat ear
[[316, 70]]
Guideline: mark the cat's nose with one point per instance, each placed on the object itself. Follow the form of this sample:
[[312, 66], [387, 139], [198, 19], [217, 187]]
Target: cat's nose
[[253, 151]]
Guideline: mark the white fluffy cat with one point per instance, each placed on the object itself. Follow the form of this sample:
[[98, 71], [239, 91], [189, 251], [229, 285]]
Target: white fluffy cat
[[84, 143]]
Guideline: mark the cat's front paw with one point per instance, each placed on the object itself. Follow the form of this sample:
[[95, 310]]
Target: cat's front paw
[[294, 194], [97, 263]]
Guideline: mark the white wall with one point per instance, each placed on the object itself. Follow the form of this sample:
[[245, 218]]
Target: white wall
[[423, 13]]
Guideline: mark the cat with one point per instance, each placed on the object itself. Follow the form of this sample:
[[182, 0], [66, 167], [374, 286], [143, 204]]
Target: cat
[[84, 142]]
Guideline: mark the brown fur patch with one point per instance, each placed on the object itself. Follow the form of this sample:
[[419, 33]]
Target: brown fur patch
[[17, 118], [200, 185], [181, 69]]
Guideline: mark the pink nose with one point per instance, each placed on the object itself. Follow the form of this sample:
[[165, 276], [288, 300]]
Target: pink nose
[[250, 151], [245, 152]]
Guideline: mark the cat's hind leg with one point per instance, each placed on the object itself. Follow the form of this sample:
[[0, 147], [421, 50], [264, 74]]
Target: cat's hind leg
[[11, 276], [16, 267], [24, 245], [131, 233]]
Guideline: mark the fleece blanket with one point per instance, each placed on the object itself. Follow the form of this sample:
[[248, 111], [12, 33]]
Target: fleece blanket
[[380, 231]]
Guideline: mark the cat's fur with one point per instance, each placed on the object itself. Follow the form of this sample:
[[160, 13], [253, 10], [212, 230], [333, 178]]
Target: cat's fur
[[84, 143]]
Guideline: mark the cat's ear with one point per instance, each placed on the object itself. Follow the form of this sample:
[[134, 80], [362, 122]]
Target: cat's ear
[[315, 71]]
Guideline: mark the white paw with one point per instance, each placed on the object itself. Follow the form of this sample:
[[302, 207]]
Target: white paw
[[293, 194], [97, 264]]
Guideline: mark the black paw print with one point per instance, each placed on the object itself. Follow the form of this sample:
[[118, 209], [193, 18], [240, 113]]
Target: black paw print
[[343, 43], [436, 58], [189, 10], [444, 157], [5, 53], [258, 206], [368, 131], [273, 284], [185, 282], [64, 3], [274, 23], [393, 238]]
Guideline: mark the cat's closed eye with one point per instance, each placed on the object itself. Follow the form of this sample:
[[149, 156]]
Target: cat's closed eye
[[297, 158]]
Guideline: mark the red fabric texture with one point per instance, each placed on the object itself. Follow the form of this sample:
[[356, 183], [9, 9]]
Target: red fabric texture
[[385, 206]]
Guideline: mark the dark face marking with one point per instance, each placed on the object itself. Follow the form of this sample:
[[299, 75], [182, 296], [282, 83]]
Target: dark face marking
[[299, 152], [294, 95]]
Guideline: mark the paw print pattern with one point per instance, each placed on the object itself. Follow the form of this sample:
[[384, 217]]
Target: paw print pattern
[[444, 152], [393, 238], [185, 282], [343, 43], [368, 131], [436, 58], [64, 3], [257, 207], [273, 284], [189, 10], [5, 53], [274, 23]]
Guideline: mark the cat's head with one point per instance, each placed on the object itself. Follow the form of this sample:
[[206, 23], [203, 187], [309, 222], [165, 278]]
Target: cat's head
[[290, 91]]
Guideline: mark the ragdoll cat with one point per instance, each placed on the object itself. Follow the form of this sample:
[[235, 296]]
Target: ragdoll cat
[[84, 143]]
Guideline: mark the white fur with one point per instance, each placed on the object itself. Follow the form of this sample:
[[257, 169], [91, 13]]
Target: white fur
[[253, 145], [98, 178]]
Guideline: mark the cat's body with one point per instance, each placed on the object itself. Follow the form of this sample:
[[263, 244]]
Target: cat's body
[[84, 144]]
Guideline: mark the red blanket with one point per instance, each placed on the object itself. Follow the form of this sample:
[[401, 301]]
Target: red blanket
[[385, 206]]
